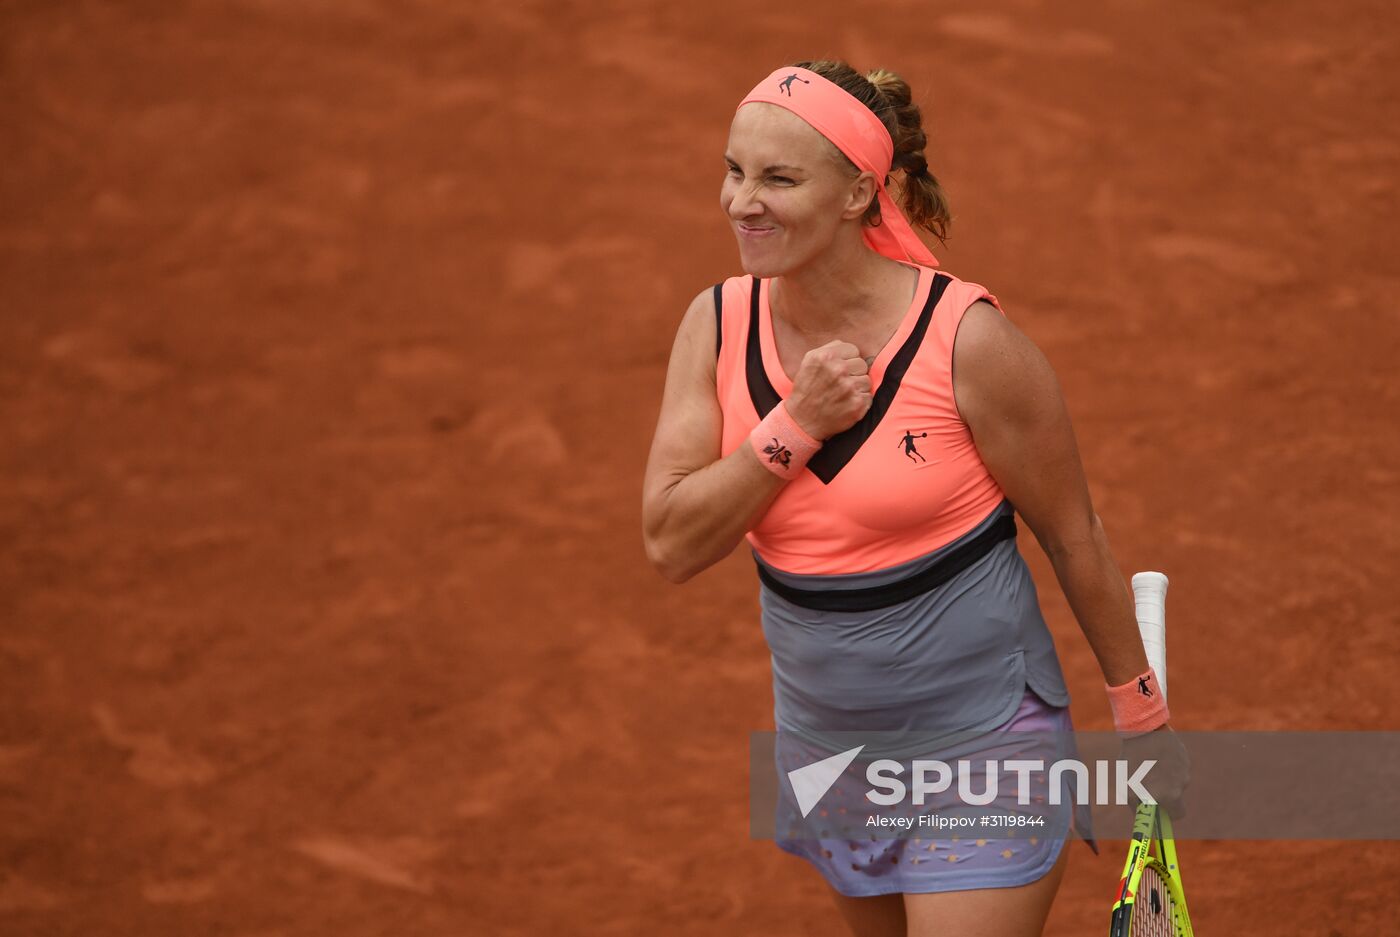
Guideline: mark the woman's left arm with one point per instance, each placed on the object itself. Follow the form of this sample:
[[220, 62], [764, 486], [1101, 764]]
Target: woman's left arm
[[1010, 399]]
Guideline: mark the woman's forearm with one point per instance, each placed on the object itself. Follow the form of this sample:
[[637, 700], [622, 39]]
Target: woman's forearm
[[706, 513], [1102, 603]]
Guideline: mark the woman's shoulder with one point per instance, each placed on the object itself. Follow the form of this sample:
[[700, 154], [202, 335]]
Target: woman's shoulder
[[961, 294]]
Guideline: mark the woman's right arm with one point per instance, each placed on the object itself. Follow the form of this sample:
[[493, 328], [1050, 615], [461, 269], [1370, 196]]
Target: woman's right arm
[[696, 507]]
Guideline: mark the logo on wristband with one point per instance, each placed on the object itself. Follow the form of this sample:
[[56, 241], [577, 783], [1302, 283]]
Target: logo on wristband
[[779, 453], [1143, 688]]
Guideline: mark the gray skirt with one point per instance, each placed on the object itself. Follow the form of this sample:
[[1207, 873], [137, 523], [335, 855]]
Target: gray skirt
[[971, 655], [854, 862]]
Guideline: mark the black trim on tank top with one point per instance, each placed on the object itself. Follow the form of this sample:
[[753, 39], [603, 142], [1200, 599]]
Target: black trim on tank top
[[719, 318], [761, 390], [870, 598], [837, 450]]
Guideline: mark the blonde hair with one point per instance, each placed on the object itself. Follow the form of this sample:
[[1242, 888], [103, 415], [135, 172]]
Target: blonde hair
[[888, 95]]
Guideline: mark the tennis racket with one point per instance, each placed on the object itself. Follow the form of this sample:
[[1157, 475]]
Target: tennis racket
[[1150, 900]]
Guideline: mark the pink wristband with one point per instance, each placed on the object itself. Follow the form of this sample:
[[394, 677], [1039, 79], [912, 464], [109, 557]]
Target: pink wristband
[[1138, 705], [781, 445]]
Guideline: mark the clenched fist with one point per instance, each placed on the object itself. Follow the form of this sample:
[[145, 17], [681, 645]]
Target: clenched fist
[[832, 389]]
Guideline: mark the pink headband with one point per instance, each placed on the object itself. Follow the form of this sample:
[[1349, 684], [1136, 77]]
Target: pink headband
[[857, 132]]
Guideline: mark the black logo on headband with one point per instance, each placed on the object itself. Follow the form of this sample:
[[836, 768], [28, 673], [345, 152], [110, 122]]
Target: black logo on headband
[[785, 87]]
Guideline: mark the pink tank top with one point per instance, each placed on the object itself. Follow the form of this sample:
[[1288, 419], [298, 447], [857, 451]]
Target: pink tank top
[[904, 480]]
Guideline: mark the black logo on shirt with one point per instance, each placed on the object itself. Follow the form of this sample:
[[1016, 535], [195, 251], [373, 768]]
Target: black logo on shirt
[[785, 87], [908, 443]]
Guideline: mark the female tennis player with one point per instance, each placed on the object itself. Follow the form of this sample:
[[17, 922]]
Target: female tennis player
[[871, 424]]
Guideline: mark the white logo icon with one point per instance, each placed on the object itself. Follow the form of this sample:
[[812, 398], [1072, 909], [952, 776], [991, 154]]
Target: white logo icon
[[810, 782]]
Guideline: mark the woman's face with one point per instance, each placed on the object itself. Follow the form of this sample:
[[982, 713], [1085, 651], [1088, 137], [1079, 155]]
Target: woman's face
[[784, 191]]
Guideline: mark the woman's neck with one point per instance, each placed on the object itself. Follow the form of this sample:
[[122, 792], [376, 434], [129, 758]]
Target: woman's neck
[[836, 290]]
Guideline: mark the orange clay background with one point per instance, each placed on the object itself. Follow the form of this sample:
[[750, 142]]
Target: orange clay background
[[332, 339]]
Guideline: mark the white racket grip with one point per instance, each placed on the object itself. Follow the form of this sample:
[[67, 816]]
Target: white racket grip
[[1150, 599]]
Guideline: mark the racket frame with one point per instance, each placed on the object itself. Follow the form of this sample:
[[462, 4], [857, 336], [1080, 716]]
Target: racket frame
[[1151, 827]]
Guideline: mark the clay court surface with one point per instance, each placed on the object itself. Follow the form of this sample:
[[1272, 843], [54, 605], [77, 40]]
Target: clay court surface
[[332, 338]]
